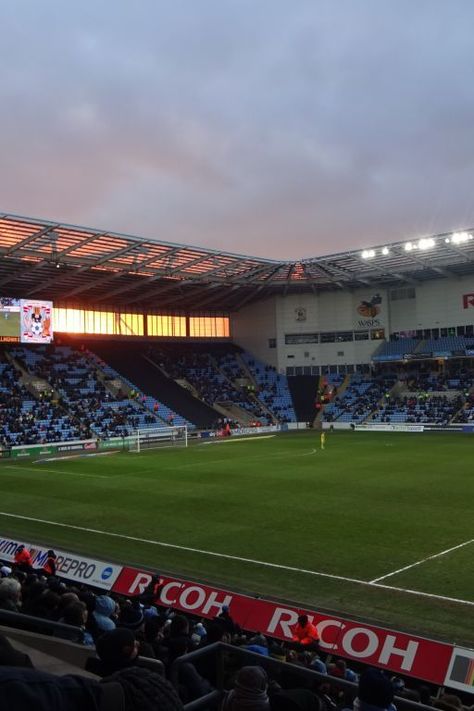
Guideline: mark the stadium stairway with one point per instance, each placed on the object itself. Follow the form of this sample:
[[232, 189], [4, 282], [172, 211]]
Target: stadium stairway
[[130, 361], [303, 389]]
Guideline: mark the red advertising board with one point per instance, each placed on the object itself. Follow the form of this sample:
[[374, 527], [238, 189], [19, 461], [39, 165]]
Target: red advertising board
[[388, 649]]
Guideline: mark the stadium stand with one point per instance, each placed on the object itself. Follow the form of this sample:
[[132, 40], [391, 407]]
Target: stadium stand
[[360, 399], [76, 383]]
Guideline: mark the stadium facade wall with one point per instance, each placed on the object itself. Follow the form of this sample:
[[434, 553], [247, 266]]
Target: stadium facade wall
[[441, 303]]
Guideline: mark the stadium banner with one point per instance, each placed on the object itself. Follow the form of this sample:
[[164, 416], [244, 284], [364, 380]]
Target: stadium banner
[[397, 652], [336, 425], [256, 430], [38, 450], [460, 674], [71, 566], [387, 427]]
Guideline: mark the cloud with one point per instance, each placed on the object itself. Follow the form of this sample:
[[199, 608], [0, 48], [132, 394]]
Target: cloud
[[276, 129]]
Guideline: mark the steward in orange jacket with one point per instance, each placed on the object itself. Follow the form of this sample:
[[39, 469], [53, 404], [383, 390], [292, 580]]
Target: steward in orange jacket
[[49, 568], [23, 559], [305, 633]]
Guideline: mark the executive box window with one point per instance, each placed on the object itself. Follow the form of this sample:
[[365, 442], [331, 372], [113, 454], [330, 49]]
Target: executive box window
[[361, 336], [166, 325], [344, 336], [107, 323], [294, 339], [377, 334], [328, 337]]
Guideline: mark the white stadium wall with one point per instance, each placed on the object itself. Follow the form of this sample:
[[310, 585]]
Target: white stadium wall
[[254, 326], [441, 303]]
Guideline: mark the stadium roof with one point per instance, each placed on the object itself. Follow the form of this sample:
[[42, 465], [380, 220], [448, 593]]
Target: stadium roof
[[71, 264]]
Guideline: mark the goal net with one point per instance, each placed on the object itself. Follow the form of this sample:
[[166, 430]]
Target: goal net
[[158, 437]]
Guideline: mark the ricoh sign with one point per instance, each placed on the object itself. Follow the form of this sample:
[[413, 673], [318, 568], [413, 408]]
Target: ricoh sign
[[388, 649]]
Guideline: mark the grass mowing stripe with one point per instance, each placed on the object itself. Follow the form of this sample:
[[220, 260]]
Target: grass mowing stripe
[[234, 557], [423, 560]]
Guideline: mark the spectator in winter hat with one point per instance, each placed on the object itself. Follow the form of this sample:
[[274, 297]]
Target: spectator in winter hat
[[249, 692], [116, 649], [375, 691], [145, 690], [104, 609], [131, 617]]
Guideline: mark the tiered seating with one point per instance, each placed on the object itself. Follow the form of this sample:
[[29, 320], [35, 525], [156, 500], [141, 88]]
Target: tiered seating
[[24, 420], [395, 350], [359, 400], [212, 383], [163, 415], [273, 388], [74, 377], [420, 409], [444, 345]]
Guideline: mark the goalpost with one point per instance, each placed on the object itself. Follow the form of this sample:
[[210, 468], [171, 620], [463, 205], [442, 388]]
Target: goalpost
[[157, 437]]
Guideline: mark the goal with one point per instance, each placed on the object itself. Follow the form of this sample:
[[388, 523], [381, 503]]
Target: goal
[[158, 437]]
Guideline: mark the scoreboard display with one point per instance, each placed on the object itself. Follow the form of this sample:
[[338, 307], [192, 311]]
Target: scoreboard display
[[25, 320]]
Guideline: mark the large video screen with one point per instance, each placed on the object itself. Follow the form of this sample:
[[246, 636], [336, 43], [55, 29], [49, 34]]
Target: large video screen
[[10, 320], [25, 320]]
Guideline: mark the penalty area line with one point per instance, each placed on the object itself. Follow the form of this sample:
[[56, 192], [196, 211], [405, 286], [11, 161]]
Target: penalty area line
[[227, 556], [423, 560]]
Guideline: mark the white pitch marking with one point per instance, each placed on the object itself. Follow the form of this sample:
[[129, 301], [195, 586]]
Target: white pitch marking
[[54, 471], [423, 560], [307, 454], [235, 557]]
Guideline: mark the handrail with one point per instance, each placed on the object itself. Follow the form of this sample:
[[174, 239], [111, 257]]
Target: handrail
[[246, 656]]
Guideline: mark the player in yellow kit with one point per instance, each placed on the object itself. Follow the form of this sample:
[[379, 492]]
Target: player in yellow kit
[[323, 439]]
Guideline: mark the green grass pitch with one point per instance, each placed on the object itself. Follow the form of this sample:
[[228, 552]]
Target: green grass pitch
[[368, 505]]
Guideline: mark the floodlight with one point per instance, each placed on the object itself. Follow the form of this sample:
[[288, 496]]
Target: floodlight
[[385, 251], [408, 246], [460, 237], [426, 243]]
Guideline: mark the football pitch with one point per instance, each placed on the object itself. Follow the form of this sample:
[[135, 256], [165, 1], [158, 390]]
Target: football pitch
[[378, 526]]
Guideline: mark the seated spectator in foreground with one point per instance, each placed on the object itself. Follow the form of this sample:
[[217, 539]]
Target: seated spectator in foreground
[[25, 689], [250, 691], [143, 690], [375, 691], [10, 595], [76, 614], [340, 670], [259, 645], [116, 649], [103, 611]]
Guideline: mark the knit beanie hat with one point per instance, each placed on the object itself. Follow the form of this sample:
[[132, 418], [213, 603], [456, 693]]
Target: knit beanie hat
[[146, 690], [375, 688], [131, 617], [110, 647]]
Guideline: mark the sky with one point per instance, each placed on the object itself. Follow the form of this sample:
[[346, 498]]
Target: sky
[[283, 129]]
